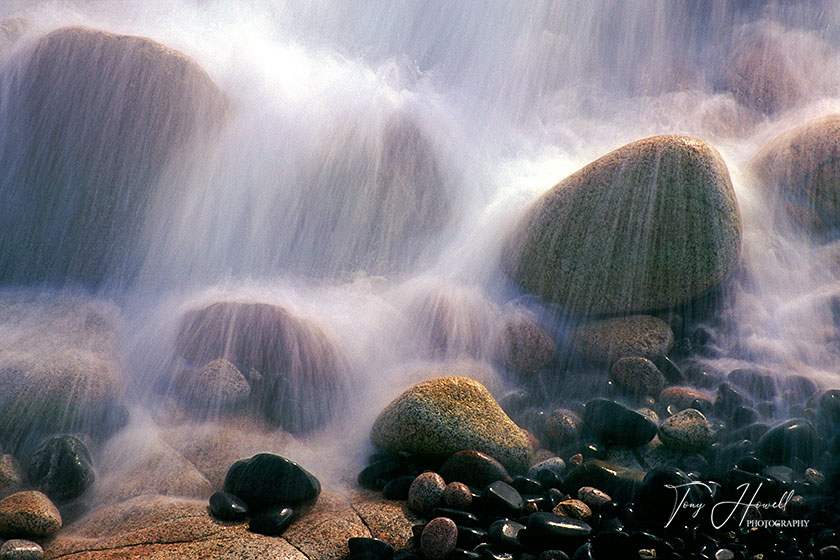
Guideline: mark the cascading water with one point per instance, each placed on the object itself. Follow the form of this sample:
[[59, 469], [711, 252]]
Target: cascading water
[[357, 168]]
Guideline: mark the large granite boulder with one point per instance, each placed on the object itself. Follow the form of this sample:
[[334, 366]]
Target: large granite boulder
[[447, 414], [762, 74], [59, 368], [372, 199], [93, 120], [801, 170], [650, 225], [297, 376]]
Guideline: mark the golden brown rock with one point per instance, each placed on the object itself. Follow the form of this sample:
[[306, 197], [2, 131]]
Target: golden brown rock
[[447, 414]]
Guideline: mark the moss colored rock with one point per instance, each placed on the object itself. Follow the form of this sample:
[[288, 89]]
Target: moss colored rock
[[448, 414], [650, 225], [801, 167]]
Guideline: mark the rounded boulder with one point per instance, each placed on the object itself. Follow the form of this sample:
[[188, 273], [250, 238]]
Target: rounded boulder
[[648, 226], [444, 415]]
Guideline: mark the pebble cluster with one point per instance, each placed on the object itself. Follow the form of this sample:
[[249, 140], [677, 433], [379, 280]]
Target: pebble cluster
[[671, 480], [266, 488], [41, 497]]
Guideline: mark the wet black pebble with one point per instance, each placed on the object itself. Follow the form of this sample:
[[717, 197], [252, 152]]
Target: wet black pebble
[[759, 384], [458, 516], [504, 535], [469, 537], [267, 479], [272, 522], [500, 497], [377, 474], [794, 438], [397, 488], [553, 555], [615, 424], [669, 369], [548, 530], [226, 506], [526, 485], [372, 548], [62, 468], [611, 544]]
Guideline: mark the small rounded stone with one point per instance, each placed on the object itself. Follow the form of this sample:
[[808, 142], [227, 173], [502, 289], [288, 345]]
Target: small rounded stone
[[225, 505], [438, 539], [457, 495], [687, 431], [575, 509], [19, 549], [593, 497], [426, 492], [563, 427], [638, 376]]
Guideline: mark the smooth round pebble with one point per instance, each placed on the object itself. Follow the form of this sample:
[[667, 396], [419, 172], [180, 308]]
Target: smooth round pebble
[[19, 549], [563, 426], [637, 375], [426, 492], [437, 541], [686, 431], [593, 497], [457, 495], [554, 465], [224, 505]]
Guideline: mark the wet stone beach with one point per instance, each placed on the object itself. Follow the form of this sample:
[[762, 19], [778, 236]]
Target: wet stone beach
[[313, 281]]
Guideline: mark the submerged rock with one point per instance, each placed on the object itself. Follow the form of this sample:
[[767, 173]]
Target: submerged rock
[[638, 376], [789, 440], [303, 380], [763, 77], [80, 175], [650, 225], [447, 414], [374, 197], [800, 168], [217, 386], [524, 347], [606, 340]]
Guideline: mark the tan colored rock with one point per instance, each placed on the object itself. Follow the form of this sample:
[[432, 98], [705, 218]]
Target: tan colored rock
[[59, 366], [604, 341], [387, 520], [214, 447], [28, 514], [216, 387], [161, 528], [524, 347], [321, 533], [137, 462], [448, 414], [301, 377], [650, 225], [801, 170], [683, 397]]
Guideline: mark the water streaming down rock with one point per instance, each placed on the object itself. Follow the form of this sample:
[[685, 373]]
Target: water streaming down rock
[[317, 214]]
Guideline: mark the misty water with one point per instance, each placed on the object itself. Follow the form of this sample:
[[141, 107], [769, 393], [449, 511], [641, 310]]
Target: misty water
[[501, 100]]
